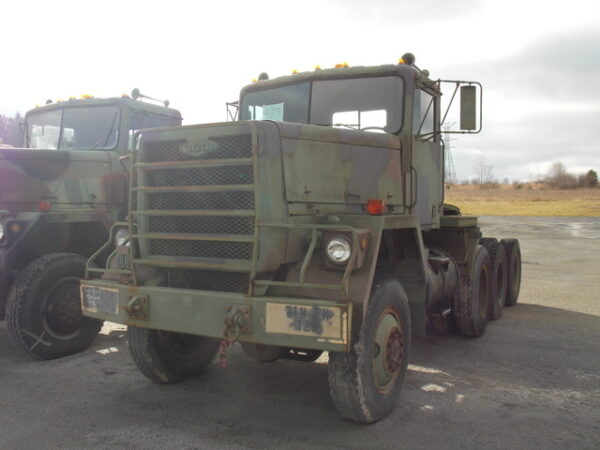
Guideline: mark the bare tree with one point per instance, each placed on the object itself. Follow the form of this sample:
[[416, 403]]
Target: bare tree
[[558, 177], [483, 172], [10, 132]]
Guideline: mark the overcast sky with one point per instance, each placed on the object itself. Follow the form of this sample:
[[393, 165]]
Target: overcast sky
[[539, 61]]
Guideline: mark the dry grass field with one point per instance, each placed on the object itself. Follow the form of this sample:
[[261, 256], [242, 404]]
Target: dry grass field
[[530, 200]]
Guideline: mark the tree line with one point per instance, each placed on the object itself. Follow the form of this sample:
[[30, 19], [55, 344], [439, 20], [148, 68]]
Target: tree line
[[557, 177], [10, 130]]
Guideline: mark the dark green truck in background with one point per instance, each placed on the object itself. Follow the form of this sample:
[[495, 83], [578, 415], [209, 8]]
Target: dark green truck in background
[[59, 196]]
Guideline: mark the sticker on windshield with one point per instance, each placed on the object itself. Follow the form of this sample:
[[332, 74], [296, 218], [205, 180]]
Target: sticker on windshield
[[273, 112]]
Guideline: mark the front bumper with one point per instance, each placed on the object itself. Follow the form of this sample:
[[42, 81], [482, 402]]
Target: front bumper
[[288, 322]]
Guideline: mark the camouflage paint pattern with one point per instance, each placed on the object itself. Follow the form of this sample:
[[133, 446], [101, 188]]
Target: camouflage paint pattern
[[65, 200], [309, 183]]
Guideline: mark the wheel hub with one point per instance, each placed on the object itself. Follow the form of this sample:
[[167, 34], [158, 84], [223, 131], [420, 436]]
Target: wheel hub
[[393, 352], [388, 351], [61, 314]]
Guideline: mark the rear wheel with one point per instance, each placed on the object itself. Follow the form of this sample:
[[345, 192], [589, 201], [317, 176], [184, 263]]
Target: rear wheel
[[366, 382], [498, 275], [43, 310], [169, 357], [471, 302], [513, 279]]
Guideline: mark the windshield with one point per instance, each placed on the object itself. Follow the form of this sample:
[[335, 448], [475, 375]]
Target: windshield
[[77, 128], [373, 103]]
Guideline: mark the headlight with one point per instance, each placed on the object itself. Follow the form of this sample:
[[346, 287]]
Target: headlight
[[339, 250], [121, 237], [2, 225]]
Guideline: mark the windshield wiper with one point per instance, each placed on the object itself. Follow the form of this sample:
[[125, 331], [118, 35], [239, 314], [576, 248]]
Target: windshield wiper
[[110, 131]]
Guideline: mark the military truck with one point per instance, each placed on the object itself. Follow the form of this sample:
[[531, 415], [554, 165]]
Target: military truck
[[59, 196], [314, 223]]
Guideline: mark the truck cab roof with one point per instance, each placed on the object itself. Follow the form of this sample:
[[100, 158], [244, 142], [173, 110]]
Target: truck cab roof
[[123, 100]]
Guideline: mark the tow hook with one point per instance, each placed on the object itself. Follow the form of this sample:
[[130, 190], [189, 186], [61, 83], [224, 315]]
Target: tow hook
[[237, 321], [138, 307]]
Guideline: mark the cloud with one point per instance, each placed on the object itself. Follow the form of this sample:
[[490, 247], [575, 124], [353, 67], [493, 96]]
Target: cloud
[[560, 68], [401, 12], [541, 105]]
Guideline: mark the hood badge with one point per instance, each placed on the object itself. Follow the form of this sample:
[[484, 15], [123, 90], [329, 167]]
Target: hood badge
[[198, 148]]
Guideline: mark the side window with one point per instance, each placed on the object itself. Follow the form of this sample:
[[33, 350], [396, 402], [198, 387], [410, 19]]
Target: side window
[[375, 120], [44, 130], [423, 114], [149, 121]]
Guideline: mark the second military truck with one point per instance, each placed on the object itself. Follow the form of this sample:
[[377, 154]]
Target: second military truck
[[59, 197], [315, 223]]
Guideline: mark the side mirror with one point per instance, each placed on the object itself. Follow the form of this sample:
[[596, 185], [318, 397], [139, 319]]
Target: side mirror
[[468, 108]]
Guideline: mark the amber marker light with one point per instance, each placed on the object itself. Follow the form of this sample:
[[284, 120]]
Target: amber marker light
[[375, 207], [343, 65], [294, 71], [363, 243], [15, 228], [317, 67]]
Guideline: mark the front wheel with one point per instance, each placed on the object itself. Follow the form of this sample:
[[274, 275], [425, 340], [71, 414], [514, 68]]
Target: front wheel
[[168, 357], [43, 310], [366, 382]]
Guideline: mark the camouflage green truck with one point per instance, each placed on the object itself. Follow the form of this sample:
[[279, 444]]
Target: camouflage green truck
[[59, 197], [314, 223]]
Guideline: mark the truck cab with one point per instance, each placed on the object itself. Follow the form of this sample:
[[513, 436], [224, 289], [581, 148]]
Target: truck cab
[[59, 195]]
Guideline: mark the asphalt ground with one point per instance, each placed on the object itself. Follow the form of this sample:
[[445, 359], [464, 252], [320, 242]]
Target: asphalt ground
[[532, 381]]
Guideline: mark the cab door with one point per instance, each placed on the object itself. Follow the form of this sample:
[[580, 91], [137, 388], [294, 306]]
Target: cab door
[[428, 158]]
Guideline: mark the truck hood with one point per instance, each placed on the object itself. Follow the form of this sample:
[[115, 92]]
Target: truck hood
[[65, 179]]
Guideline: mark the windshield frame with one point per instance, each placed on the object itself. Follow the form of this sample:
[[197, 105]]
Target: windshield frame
[[116, 123], [312, 80]]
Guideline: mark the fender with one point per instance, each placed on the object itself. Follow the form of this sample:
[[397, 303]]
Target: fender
[[395, 247]]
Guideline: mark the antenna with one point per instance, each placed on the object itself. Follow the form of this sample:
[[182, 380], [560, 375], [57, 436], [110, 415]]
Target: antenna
[[135, 94]]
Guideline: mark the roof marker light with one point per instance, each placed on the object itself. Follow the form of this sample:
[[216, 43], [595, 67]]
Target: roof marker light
[[317, 67], [407, 59], [343, 65]]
